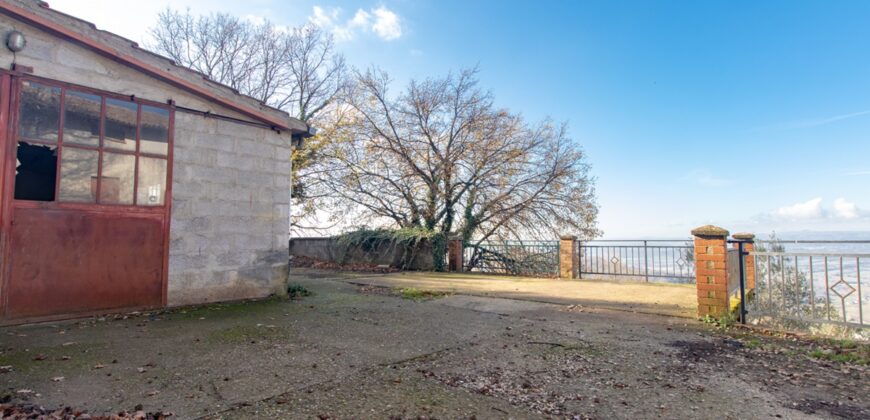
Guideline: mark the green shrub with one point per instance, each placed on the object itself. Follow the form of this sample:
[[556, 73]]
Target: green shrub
[[295, 291]]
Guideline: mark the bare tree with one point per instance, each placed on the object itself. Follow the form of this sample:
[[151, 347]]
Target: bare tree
[[440, 156], [295, 69]]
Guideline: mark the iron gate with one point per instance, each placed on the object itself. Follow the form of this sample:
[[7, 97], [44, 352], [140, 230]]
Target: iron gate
[[662, 260], [516, 258]]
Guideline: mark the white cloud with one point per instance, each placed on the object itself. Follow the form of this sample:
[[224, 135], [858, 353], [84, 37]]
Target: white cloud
[[360, 19], [815, 210], [324, 18], [811, 209], [845, 209], [385, 23]]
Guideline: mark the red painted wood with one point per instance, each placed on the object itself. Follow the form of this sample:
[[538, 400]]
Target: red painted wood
[[66, 259], [70, 261]]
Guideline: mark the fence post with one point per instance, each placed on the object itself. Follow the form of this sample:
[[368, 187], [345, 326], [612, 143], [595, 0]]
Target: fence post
[[567, 257], [455, 254], [748, 240], [711, 270], [645, 262]]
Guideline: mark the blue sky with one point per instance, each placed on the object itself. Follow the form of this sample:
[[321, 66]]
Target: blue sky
[[753, 115]]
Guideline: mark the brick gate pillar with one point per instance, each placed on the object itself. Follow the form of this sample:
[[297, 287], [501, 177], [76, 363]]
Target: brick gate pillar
[[711, 270], [749, 261], [455, 254], [567, 257]]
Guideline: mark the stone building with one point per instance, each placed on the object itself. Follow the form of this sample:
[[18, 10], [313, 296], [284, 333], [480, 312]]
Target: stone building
[[129, 182]]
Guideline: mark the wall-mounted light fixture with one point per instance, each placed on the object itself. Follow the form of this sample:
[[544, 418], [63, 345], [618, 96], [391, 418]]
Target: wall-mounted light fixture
[[15, 41]]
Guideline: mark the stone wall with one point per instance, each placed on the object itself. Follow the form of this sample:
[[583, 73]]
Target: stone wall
[[329, 249]]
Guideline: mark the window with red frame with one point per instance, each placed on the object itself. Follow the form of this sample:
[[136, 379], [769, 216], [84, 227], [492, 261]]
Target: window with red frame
[[80, 146]]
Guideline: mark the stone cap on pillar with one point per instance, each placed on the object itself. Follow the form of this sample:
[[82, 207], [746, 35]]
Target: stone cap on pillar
[[743, 236], [568, 237], [710, 231]]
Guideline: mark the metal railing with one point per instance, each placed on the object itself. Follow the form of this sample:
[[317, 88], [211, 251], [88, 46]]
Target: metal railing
[[662, 260], [812, 287], [517, 258]]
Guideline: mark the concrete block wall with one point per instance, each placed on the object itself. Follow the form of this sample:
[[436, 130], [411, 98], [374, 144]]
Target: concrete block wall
[[230, 211]]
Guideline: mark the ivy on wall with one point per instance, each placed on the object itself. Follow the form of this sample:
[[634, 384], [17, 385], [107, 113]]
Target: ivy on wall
[[409, 240]]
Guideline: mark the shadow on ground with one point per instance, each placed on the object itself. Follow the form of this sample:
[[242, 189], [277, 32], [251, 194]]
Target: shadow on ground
[[352, 351]]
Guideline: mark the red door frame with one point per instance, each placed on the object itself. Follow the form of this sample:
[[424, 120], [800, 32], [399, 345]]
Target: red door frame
[[9, 102]]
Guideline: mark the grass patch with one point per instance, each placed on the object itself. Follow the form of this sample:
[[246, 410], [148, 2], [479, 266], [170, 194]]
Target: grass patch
[[81, 357], [723, 322], [752, 343], [417, 295], [231, 309], [842, 351], [584, 348], [830, 349]]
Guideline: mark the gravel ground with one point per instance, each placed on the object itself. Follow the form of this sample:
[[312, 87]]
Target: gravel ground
[[366, 352]]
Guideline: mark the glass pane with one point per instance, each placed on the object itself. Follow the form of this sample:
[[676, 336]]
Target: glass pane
[[120, 125], [117, 178], [35, 172], [39, 116], [81, 118], [78, 175], [152, 182], [154, 130]]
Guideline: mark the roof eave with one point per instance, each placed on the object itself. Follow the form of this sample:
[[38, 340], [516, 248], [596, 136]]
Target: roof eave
[[291, 124]]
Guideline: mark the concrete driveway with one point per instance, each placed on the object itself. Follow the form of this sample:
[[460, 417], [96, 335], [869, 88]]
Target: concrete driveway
[[353, 351]]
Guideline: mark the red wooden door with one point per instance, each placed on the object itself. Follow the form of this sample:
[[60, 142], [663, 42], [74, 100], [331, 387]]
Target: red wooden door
[[86, 195], [72, 261]]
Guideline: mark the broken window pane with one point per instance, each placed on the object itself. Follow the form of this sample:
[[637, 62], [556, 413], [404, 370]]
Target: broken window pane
[[35, 172], [152, 181], [117, 178], [154, 130], [81, 120], [39, 114], [120, 125], [78, 175]]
